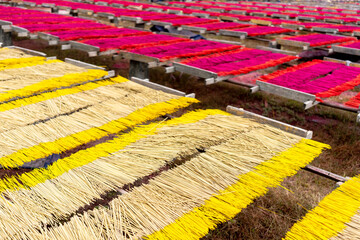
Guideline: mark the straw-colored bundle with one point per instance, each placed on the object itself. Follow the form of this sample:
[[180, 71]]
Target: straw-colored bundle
[[352, 229], [234, 146], [6, 53], [25, 111], [336, 216], [66, 101], [49, 200], [17, 78], [21, 62], [21, 89], [65, 132]]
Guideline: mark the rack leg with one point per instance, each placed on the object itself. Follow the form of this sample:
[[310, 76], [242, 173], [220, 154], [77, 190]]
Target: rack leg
[[138, 70], [5, 38]]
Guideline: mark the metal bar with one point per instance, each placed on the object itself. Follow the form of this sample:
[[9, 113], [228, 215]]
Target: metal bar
[[324, 173]]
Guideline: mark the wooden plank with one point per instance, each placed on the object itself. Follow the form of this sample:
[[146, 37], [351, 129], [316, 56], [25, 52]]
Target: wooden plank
[[265, 120], [293, 26], [352, 64], [271, 9], [287, 42], [356, 33], [154, 9], [241, 35], [29, 4], [137, 20], [196, 7], [226, 41], [333, 20], [325, 30], [194, 71], [179, 5], [220, 10], [306, 18], [292, 11], [227, 18], [85, 12], [29, 51], [331, 15], [240, 12], [152, 61], [159, 87], [202, 15], [161, 23], [336, 60], [21, 32], [82, 64], [349, 11], [261, 22], [117, 5], [286, 92], [47, 36], [172, 11], [326, 174], [258, 14], [91, 50], [279, 15], [6, 27], [311, 13], [174, 34], [108, 52], [275, 50], [100, 3], [346, 50], [109, 16], [52, 40], [194, 29], [48, 5]]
